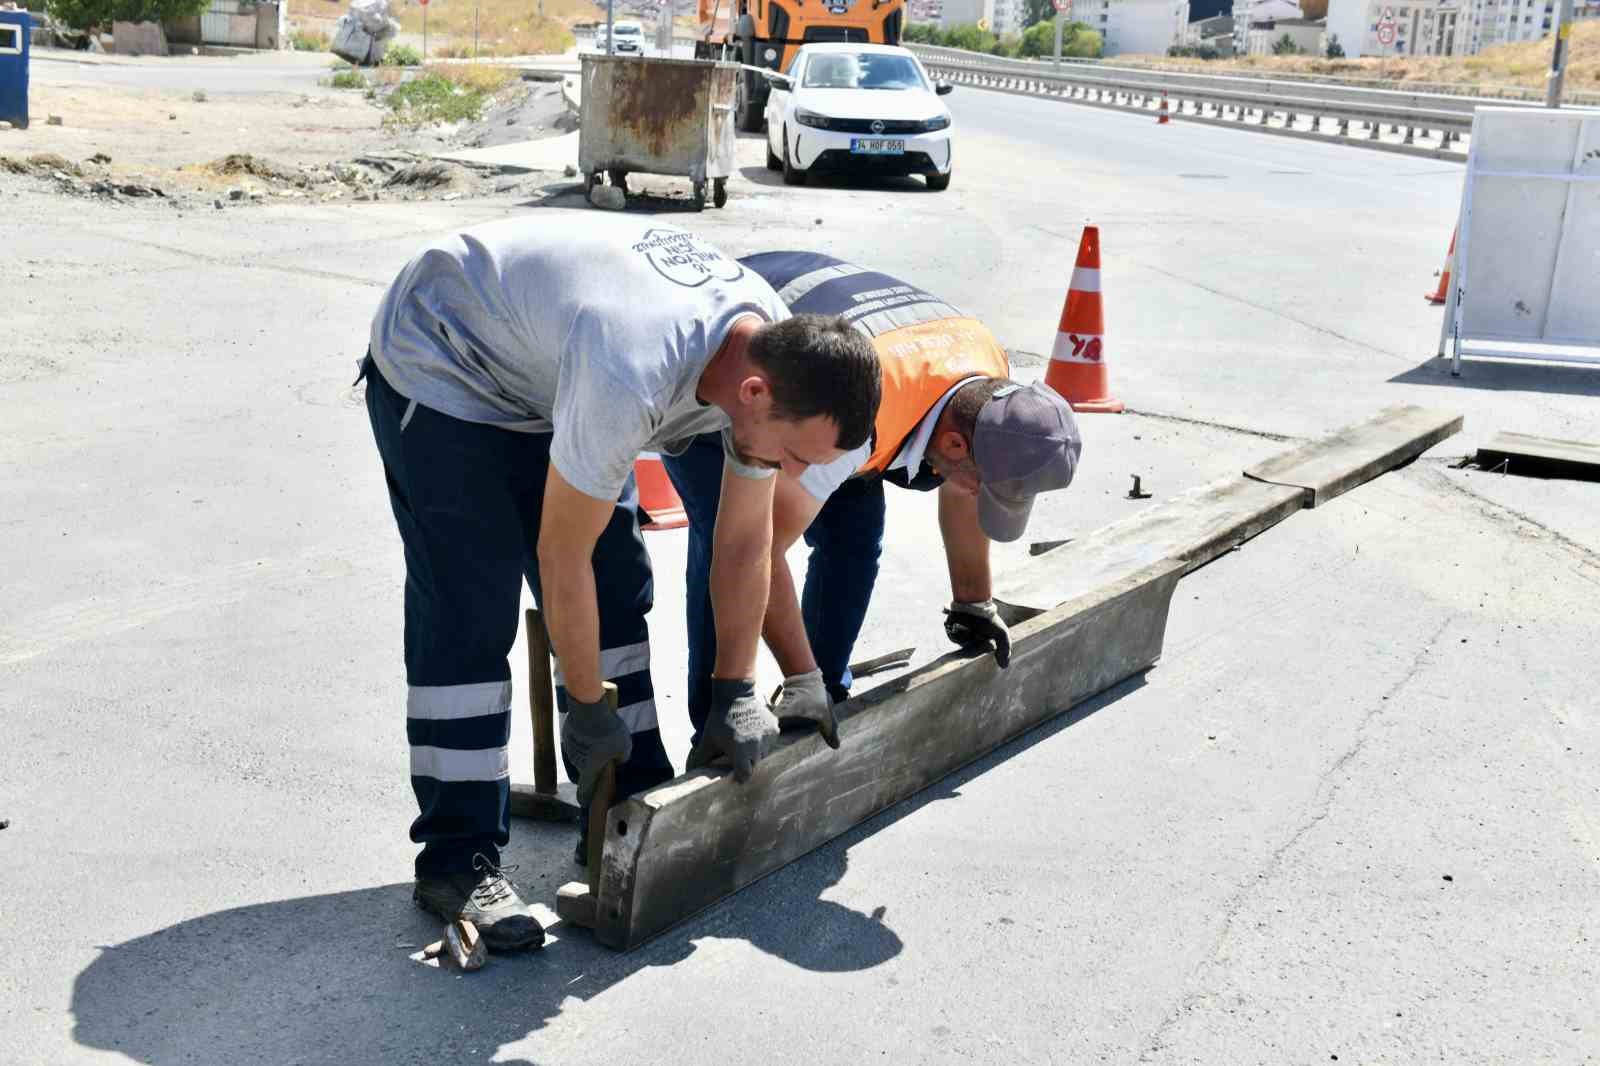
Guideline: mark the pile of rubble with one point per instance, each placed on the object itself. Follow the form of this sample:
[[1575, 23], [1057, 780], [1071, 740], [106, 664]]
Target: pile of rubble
[[89, 178]]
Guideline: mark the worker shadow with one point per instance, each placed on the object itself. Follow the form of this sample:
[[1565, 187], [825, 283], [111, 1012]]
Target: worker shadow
[[337, 977], [1567, 379]]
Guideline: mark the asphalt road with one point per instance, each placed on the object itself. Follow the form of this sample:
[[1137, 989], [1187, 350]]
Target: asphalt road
[[1351, 814]]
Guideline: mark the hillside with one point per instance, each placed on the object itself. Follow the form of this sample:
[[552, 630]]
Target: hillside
[[1521, 65]]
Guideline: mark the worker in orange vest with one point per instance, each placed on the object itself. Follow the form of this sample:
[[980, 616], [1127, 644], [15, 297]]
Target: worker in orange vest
[[950, 419]]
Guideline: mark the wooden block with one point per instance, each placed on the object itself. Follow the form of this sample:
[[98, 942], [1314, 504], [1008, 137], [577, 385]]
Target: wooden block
[[576, 904], [1194, 527], [1354, 455], [1519, 453], [464, 946], [682, 846]]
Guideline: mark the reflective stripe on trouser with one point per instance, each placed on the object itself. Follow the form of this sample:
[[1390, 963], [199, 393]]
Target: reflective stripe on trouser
[[467, 499], [846, 541]]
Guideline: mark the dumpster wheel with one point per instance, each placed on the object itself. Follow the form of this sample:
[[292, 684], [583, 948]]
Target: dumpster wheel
[[719, 192]]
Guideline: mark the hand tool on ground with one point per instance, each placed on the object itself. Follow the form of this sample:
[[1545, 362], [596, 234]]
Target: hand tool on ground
[[547, 800]]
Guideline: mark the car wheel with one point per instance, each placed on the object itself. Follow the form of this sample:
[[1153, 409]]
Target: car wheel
[[792, 175], [773, 162], [938, 182]]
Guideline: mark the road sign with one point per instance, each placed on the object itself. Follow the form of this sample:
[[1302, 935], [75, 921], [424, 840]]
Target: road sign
[[1063, 7], [983, 24], [424, 3], [1386, 33]]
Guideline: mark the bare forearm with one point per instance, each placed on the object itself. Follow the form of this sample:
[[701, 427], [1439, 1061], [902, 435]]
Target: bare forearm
[[573, 618], [740, 576], [966, 549], [785, 628]]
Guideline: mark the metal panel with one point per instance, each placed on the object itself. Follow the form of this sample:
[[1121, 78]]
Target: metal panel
[[15, 30], [216, 22], [1528, 245]]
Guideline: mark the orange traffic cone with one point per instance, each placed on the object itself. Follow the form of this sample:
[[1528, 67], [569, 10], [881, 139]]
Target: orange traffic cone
[[1162, 119], [657, 498], [1077, 363], [1443, 292]]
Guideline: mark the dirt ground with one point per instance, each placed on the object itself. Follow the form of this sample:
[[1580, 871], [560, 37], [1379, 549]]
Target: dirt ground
[[138, 125]]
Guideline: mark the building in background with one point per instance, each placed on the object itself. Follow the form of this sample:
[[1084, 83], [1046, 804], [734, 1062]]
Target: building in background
[[1421, 27], [1135, 27], [999, 17], [1248, 13], [1215, 32], [925, 11], [1309, 36]]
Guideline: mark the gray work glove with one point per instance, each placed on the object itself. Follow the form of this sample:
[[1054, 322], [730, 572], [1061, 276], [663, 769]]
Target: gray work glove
[[592, 735], [804, 699], [978, 625], [739, 727]]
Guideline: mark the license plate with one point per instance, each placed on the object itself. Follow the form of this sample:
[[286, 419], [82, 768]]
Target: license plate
[[877, 146]]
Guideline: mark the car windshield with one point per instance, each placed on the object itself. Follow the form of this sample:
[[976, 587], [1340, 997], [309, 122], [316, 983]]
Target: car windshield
[[862, 70], [628, 31]]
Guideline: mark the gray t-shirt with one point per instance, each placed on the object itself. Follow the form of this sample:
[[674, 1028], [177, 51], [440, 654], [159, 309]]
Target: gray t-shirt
[[592, 327]]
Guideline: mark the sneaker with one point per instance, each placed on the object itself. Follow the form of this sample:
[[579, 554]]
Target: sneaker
[[486, 898]]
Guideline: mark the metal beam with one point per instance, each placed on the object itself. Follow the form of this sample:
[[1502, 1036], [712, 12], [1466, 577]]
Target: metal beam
[[681, 847]]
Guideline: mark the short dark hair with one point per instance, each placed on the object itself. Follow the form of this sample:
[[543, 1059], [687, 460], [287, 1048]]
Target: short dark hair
[[969, 400], [821, 365]]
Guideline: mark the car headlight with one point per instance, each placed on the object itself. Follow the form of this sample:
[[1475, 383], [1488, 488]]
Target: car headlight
[[938, 122], [811, 118]]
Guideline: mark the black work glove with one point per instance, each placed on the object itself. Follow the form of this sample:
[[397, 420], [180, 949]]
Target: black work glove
[[592, 735], [978, 625], [739, 728], [804, 699]]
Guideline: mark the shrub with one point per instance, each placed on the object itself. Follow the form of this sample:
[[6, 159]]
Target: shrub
[[348, 79], [433, 98], [1335, 49], [401, 55], [1285, 46], [81, 14], [309, 41]]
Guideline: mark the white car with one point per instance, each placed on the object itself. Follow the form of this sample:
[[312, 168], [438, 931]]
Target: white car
[[867, 108], [627, 38]]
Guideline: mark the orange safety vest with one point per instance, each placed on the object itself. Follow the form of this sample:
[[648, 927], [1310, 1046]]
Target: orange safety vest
[[924, 345], [921, 363]]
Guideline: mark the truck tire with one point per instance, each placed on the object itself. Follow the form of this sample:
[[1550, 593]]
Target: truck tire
[[749, 102]]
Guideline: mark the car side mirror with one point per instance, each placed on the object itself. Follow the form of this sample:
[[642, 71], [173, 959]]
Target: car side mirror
[[776, 80], [944, 88]]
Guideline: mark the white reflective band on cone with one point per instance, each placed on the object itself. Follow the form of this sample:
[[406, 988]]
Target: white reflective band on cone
[[1085, 279], [1067, 352]]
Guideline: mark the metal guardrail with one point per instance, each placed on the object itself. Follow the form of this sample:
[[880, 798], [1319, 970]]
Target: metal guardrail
[[1499, 95], [1270, 105]]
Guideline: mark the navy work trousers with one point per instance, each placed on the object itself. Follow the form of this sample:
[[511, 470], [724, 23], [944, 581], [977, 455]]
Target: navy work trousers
[[846, 541], [467, 498]]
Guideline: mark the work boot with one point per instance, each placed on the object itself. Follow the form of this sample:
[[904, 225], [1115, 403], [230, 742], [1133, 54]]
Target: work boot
[[486, 898]]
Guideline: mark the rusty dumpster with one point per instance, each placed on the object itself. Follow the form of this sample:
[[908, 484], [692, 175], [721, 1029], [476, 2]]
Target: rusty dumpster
[[658, 116]]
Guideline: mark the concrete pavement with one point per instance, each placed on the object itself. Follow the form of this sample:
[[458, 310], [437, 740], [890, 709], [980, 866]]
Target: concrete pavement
[[1242, 858]]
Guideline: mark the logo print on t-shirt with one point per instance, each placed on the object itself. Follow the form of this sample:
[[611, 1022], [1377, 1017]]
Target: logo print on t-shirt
[[684, 259]]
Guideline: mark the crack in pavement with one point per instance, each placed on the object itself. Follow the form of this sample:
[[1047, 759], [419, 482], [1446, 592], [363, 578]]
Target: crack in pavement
[[1277, 313], [1500, 512], [1327, 791], [1224, 426]]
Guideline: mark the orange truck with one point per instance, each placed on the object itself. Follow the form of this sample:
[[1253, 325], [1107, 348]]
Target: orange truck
[[767, 33]]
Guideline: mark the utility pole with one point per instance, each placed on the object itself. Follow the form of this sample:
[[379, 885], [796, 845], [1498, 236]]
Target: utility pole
[[1058, 20], [1558, 55], [610, 44]]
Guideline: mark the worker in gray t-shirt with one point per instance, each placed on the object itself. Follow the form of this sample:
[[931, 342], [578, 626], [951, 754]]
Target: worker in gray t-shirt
[[516, 370]]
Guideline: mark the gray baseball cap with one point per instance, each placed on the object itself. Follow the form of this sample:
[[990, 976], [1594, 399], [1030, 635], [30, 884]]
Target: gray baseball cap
[[1026, 442]]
